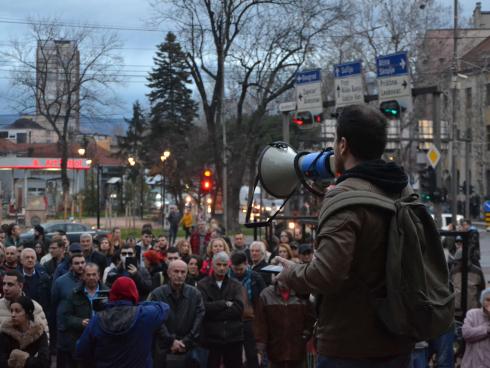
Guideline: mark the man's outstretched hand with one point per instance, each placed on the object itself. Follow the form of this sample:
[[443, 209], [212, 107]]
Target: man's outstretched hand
[[287, 266]]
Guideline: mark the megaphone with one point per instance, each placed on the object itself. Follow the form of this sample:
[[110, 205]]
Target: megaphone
[[281, 170]]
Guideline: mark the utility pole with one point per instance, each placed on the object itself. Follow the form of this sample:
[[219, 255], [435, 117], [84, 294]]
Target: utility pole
[[454, 171], [436, 129], [467, 173]]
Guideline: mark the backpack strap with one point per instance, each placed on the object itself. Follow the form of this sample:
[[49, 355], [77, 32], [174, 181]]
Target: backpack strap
[[354, 198]]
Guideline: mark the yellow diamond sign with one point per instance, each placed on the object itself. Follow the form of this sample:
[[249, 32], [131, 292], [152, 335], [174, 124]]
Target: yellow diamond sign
[[433, 155]]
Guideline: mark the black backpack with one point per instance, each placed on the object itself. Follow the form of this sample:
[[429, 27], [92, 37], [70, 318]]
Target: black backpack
[[418, 302]]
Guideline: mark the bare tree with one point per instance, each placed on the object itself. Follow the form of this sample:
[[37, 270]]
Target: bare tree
[[256, 47], [61, 71]]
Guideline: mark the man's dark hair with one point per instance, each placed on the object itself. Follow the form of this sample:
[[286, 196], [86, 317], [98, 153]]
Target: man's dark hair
[[146, 231], [16, 274], [61, 232], [172, 250], [77, 255], [58, 241], [238, 258], [364, 128]]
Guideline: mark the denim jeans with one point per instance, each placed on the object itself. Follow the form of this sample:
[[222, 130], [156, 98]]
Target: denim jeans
[[420, 358], [443, 348], [401, 361]]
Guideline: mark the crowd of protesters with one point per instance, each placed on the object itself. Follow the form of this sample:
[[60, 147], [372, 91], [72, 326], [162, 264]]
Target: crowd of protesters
[[202, 300]]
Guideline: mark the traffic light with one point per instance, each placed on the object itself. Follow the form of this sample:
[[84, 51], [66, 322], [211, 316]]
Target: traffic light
[[390, 109], [206, 181], [427, 179], [303, 119]]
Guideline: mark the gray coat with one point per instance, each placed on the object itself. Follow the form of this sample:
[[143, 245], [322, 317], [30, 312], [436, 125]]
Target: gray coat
[[476, 330]]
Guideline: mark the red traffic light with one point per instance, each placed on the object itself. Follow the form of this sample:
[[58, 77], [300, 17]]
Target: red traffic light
[[206, 185]]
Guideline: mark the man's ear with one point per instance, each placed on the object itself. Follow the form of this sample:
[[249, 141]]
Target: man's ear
[[343, 146]]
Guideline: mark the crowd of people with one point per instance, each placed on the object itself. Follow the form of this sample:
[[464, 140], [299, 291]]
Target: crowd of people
[[203, 297]]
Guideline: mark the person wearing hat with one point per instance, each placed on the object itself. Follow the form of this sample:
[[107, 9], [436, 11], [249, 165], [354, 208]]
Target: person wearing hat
[[122, 334], [305, 253], [476, 332], [23, 341]]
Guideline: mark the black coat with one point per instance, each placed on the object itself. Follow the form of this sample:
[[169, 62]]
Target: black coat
[[34, 342], [38, 288], [184, 319], [99, 259], [222, 324], [266, 276]]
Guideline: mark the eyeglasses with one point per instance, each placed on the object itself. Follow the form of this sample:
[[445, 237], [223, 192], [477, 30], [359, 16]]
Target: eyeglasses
[[126, 253]]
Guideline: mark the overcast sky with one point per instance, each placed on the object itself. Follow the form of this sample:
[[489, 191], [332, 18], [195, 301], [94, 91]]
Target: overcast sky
[[139, 46]]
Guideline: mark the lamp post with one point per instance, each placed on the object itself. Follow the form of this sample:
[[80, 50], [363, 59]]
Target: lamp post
[[165, 155]]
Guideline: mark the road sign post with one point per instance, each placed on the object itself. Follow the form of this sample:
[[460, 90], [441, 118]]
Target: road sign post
[[394, 79], [349, 89], [309, 91]]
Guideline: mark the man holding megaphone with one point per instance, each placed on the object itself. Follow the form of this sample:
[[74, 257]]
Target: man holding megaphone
[[348, 269]]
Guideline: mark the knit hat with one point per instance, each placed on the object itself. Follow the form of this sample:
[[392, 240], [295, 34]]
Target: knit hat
[[124, 289], [484, 294]]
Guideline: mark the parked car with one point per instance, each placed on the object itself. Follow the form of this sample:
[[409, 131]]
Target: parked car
[[72, 229]]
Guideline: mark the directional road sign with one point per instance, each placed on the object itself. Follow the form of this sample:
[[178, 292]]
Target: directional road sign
[[349, 89], [433, 155], [394, 79], [309, 91], [287, 106]]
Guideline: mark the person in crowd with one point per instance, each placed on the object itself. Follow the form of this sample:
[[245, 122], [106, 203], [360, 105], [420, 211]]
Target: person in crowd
[[131, 242], [184, 248], [2, 269], [173, 219], [239, 244], [66, 243], [115, 261], [144, 244], [253, 285], [13, 283], [90, 254], [107, 249], [161, 246], [222, 325], [214, 224], [37, 283], [65, 265], [473, 241], [193, 272], [343, 255], [448, 241], [157, 268], [61, 293], [139, 275], [127, 343], [257, 256], [116, 238], [186, 222], [11, 259], [215, 246], [476, 284], [13, 236], [3, 237], [295, 252], [172, 255], [286, 237], [39, 235], [283, 251], [200, 239], [23, 341], [180, 332], [305, 253], [40, 251], [476, 332], [280, 309], [57, 250], [80, 306]]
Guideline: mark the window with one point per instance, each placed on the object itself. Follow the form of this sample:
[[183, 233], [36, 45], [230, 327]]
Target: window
[[468, 99], [75, 228], [4, 134], [487, 99]]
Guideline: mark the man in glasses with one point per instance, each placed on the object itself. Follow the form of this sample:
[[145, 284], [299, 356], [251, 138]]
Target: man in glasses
[[127, 265]]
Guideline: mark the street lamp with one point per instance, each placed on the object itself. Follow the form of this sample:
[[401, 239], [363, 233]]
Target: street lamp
[[81, 151], [165, 155]]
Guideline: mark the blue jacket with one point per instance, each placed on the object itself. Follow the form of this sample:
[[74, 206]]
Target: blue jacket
[[122, 335]]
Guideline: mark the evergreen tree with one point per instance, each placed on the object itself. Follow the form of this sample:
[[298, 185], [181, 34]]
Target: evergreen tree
[[172, 107], [171, 116]]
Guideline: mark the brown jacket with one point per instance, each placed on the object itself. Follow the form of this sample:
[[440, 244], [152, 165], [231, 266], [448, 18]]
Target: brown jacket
[[349, 262], [283, 328]]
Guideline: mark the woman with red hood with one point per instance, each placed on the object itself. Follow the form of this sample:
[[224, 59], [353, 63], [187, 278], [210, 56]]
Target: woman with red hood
[[122, 334]]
